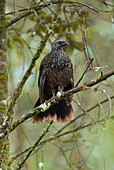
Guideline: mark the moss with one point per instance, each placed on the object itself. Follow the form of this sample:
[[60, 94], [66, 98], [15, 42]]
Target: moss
[[3, 84], [4, 143], [6, 155]]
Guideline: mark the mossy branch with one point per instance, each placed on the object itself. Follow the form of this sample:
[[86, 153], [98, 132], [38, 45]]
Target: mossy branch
[[38, 145], [47, 105], [45, 131], [52, 138], [59, 131], [4, 144]]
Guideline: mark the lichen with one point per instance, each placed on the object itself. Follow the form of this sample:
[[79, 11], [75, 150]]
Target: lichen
[[4, 143]]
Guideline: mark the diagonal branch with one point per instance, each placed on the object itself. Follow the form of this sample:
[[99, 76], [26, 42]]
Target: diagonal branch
[[45, 106], [38, 145], [74, 130], [90, 109], [20, 165], [91, 60], [60, 130]]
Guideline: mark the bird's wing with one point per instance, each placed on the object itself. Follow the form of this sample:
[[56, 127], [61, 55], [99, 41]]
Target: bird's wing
[[41, 83], [72, 80]]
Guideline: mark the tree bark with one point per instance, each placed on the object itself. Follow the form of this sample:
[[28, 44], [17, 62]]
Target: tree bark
[[4, 143]]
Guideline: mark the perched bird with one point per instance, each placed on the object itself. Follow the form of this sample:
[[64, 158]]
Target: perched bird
[[56, 74]]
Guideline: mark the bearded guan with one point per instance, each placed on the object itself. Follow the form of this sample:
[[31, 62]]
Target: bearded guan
[[56, 74]]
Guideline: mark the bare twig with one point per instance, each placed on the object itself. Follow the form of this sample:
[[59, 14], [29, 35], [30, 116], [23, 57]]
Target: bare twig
[[51, 3], [73, 130], [86, 113], [54, 137], [21, 16], [93, 107], [45, 131], [91, 60], [64, 155]]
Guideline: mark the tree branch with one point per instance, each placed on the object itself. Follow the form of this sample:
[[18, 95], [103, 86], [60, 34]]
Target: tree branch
[[20, 165], [45, 106], [38, 145], [91, 60], [60, 130], [73, 130], [90, 109], [21, 16]]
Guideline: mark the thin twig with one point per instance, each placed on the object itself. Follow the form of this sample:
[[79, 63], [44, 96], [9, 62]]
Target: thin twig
[[90, 109], [20, 165], [21, 16], [51, 3], [73, 130], [76, 130], [91, 60]]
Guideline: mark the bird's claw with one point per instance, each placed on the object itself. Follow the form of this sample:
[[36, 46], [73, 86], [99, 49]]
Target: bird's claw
[[62, 92], [54, 96]]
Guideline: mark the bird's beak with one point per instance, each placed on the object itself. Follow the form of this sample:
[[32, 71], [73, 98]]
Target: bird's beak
[[65, 43]]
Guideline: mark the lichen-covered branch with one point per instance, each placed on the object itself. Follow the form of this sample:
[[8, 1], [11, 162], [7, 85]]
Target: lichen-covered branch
[[45, 131], [46, 105], [38, 145], [60, 130], [4, 143]]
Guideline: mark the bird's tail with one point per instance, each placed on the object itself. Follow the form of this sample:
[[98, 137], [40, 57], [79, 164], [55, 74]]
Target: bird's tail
[[60, 112]]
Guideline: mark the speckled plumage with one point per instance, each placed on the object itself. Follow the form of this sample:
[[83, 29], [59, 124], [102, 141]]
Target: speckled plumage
[[56, 74]]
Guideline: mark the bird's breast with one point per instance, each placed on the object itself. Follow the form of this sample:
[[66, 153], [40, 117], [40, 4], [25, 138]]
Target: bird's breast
[[59, 73], [58, 64]]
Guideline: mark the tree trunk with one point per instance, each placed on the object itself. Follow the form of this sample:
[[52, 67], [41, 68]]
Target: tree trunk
[[4, 143]]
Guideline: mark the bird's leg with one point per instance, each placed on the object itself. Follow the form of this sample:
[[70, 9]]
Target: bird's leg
[[61, 90], [53, 95]]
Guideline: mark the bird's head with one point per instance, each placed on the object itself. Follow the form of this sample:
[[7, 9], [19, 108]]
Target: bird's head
[[57, 44]]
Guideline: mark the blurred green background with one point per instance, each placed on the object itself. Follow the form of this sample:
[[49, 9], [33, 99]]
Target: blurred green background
[[90, 148]]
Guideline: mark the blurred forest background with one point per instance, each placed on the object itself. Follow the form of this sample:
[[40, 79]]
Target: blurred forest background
[[80, 26]]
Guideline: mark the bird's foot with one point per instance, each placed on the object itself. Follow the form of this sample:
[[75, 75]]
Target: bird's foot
[[54, 96], [62, 92]]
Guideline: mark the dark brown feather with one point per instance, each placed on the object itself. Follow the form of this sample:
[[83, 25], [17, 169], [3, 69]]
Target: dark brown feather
[[56, 74]]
